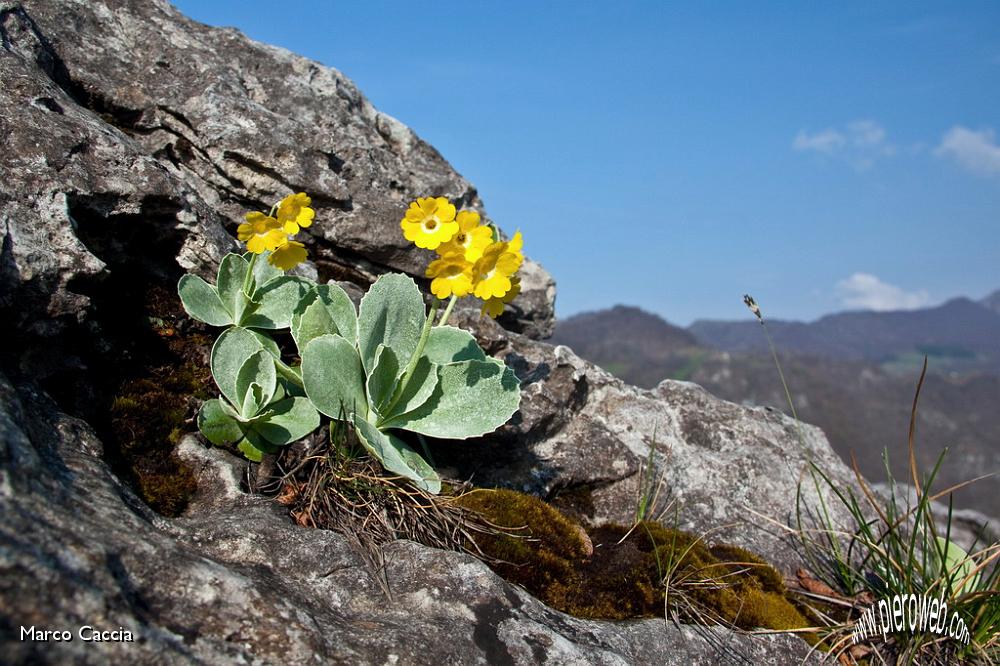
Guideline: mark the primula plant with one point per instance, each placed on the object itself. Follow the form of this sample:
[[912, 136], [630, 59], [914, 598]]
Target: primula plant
[[388, 368]]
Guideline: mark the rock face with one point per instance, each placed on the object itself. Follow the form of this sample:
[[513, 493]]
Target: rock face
[[149, 119], [237, 582], [134, 140]]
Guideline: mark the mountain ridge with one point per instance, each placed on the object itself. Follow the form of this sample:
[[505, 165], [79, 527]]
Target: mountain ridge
[[961, 332]]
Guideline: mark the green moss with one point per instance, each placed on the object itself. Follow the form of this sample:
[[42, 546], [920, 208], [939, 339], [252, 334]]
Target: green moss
[[151, 412], [148, 417], [540, 543], [740, 559], [618, 571]]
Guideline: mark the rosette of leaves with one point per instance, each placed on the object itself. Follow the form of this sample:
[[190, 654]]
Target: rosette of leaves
[[264, 300], [388, 371], [257, 410]]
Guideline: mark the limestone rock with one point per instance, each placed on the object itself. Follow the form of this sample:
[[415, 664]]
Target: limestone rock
[[235, 581], [125, 114]]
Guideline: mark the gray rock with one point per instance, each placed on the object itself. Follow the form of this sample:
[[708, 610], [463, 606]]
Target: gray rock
[[235, 581], [134, 114]]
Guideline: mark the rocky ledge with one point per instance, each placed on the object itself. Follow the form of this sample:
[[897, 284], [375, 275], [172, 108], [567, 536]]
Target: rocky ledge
[[135, 139]]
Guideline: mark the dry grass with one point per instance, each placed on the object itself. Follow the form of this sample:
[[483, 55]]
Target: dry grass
[[333, 484]]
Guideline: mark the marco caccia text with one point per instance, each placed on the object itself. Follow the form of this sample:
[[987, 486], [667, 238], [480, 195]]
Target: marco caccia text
[[86, 633], [913, 613]]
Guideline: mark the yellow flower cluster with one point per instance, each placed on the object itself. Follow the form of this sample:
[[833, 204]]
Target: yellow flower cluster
[[273, 233], [470, 260]]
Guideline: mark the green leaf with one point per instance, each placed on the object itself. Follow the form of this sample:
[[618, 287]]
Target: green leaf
[[229, 353], [293, 387], [257, 370], [267, 343], [447, 344], [392, 313], [396, 456], [216, 424], [333, 377], [279, 389], [253, 400], [276, 302], [254, 447], [418, 391], [232, 272], [341, 309], [471, 399], [313, 322], [201, 301], [958, 565], [289, 420], [382, 381]]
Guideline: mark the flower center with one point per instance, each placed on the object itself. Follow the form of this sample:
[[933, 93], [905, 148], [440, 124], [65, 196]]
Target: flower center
[[430, 223]]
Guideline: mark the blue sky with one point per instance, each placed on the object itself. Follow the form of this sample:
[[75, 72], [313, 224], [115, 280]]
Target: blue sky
[[820, 156]]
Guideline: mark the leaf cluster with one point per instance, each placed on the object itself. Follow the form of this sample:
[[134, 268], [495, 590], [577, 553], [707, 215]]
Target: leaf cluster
[[383, 368]]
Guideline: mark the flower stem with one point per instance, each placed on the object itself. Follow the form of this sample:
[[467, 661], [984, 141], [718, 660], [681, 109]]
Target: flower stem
[[784, 384], [447, 311], [248, 278], [412, 365]]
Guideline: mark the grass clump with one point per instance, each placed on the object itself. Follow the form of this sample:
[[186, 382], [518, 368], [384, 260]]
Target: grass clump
[[900, 548], [897, 550], [329, 482]]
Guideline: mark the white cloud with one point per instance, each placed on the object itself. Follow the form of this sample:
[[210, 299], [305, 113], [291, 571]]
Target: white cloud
[[865, 291], [866, 133], [826, 141], [976, 151], [860, 143]]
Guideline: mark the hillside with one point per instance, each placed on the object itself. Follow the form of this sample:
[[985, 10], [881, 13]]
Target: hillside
[[992, 301], [960, 335], [862, 406], [623, 334]]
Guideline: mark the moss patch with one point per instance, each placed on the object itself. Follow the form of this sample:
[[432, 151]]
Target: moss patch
[[151, 411], [616, 572]]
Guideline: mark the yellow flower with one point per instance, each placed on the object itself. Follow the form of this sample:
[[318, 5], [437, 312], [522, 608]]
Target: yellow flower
[[492, 272], [429, 222], [294, 212], [288, 255], [494, 306], [516, 246], [452, 275], [260, 233], [471, 239]]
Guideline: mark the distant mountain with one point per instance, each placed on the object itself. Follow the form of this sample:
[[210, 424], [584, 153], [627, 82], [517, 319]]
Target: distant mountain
[[959, 335], [992, 301], [863, 406], [621, 336]]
